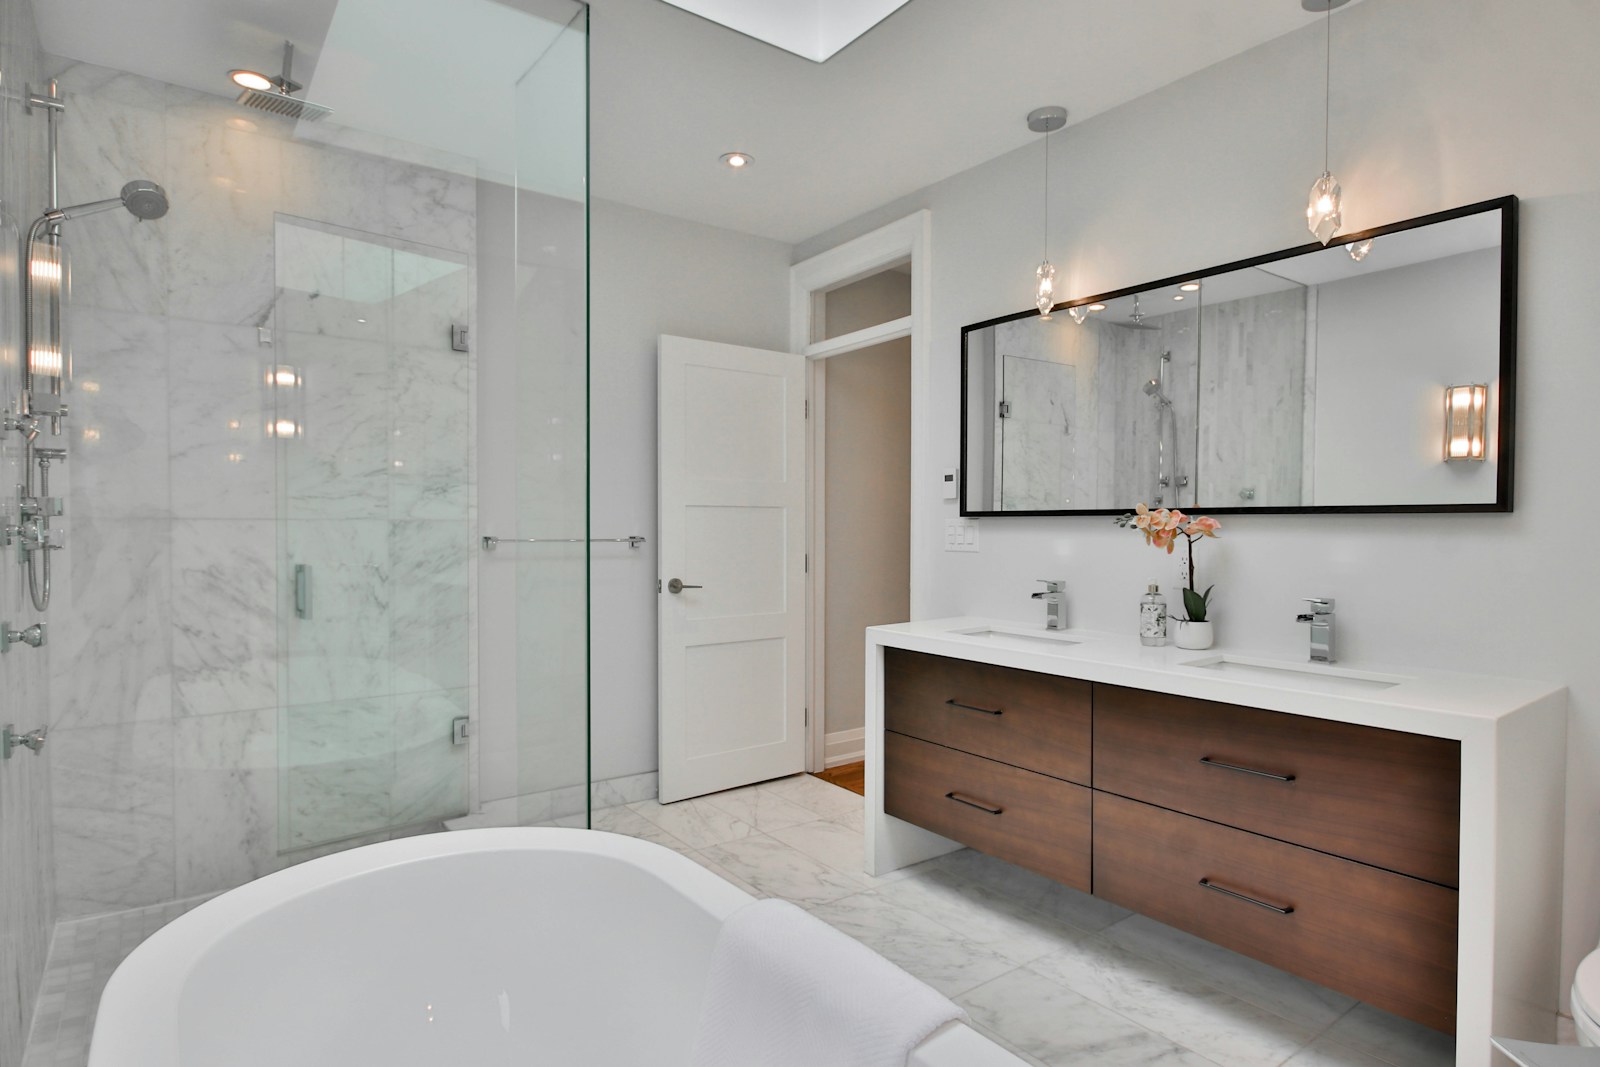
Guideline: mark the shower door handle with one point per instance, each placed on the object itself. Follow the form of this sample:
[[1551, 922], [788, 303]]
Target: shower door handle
[[302, 590]]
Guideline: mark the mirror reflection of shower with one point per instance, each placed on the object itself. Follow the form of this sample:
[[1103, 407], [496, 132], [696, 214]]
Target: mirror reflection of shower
[[1166, 433], [46, 284]]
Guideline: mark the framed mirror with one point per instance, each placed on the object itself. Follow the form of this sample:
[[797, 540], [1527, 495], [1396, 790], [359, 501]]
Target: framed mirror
[[1374, 375]]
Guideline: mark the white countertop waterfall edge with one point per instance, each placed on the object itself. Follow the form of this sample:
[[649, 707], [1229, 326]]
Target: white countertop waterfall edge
[[1513, 735]]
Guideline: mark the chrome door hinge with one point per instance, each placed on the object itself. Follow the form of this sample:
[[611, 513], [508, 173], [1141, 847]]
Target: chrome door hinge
[[1005, 409], [808, 716], [808, 409], [808, 563]]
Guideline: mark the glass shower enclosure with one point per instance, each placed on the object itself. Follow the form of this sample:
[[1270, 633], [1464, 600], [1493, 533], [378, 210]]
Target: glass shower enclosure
[[356, 345]]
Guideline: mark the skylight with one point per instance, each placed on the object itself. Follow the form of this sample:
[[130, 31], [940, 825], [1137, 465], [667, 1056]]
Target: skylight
[[815, 29]]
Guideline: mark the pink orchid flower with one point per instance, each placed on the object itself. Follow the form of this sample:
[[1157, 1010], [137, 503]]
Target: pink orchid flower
[[1204, 526]]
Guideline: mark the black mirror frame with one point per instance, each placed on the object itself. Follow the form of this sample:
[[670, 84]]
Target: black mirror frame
[[1507, 393]]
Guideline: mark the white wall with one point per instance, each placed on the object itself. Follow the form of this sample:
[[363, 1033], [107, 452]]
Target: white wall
[[1384, 445], [1435, 104], [651, 275]]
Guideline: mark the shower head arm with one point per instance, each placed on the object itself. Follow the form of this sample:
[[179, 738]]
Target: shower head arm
[[78, 211]]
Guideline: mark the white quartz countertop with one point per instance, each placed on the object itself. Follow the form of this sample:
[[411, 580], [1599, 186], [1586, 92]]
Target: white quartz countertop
[[1436, 703]]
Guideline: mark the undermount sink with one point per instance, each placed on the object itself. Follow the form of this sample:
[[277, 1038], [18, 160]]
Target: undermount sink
[[1314, 677], [1035, 639]]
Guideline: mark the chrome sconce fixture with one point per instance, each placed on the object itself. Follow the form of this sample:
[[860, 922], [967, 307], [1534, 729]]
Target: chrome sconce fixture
[[1465, 418], [1046, 120], [1325, 205]]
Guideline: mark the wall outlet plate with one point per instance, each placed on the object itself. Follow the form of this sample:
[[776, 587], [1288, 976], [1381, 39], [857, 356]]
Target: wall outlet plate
[[960, 535]]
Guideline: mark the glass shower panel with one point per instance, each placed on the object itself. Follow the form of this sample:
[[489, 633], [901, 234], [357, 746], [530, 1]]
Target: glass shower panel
[[372, 415], [552, 359]]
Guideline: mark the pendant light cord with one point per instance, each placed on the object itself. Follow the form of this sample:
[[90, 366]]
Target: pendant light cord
[[1327, 85], [1047, 194]]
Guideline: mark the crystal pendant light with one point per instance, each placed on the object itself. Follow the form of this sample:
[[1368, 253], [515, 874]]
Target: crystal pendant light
[[1324, 207], [1044, 120]]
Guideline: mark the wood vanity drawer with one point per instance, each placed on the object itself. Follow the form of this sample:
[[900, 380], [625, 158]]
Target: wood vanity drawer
[[1037, 721], [1381, 937], [1385, 798], [1032, 820]]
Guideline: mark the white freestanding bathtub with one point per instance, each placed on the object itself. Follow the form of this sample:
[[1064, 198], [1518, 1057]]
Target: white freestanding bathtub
[[485, 948]]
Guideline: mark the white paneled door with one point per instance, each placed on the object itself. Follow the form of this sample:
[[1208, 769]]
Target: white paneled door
[[732, 553]]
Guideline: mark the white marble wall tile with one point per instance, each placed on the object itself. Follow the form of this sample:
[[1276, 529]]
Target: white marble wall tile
[[342, 650], [338, 773], [1056, 1026], [111, 627], [219, 404], [332, 279], [224, 182], [428, 619], [224, 615], [114, 833], [336, 185], [431, 444], [434, 207], [226, 790], [338, 467], [430, 771], [118, 445], [431, 292], [114, 131]]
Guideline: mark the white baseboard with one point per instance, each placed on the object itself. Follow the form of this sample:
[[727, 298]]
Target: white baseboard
[[844, 746]]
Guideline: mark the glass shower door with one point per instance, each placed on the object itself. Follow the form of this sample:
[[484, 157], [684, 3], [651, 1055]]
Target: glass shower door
[[373, 419]]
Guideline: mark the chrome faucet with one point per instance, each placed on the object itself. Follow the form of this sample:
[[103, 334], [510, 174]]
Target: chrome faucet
[[34, 635], [1321, 619], [1055, 604]]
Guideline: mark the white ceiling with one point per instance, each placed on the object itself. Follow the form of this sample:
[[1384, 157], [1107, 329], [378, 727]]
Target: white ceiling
[[937, 87]]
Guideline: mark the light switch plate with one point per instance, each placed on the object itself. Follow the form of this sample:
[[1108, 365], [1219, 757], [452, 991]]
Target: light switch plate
[[960, 535], [951, 484]]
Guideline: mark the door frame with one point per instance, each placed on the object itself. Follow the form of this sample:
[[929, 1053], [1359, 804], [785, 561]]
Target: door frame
[[809, 280]]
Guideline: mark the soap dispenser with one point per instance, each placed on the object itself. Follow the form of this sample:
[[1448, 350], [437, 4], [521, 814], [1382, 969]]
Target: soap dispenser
[[1153, 617]]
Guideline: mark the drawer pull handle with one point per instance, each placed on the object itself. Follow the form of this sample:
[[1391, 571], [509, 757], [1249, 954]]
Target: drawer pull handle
[[974, 707], [1209, 762], [1209, 884], [959, 799]]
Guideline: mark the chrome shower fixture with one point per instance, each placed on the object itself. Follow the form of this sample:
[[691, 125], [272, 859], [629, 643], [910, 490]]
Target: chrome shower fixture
[[276, 94], [145, 200]]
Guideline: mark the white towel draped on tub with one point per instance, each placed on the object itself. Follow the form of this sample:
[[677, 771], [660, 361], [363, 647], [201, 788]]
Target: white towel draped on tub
[[788, 990]]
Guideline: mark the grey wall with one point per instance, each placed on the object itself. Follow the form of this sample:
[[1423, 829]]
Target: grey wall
[[652, 275], [26, 910], [1434, 105]]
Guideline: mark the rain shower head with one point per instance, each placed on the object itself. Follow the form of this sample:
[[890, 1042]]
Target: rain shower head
[[1136, 320], [275, 95]]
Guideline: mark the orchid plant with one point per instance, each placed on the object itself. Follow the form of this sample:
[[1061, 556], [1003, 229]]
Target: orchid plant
[[1163, 528]]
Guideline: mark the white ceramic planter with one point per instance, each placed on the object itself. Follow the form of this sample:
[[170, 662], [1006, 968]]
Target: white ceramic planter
[[1193, 635]]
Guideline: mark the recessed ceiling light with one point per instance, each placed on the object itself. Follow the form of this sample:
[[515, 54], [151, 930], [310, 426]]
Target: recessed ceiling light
[[1177, 296], [736, 160], [250, 79], [1097, 307], [1190, 287]]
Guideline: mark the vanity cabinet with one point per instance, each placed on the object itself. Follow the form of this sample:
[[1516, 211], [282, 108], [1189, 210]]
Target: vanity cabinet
[[1324, 848]]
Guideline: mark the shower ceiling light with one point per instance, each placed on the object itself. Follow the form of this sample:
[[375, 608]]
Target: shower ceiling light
[[1097, 307], [1045, 120], [250, 79], [737, 160], [1190, 287], [1177, 296], [1325, 207], [1465, 407]]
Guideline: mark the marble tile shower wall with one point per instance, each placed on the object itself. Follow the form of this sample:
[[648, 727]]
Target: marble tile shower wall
[[203, 737], [26, 912]]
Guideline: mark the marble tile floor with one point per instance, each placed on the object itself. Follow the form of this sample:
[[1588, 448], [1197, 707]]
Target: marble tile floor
[[1056, 976]]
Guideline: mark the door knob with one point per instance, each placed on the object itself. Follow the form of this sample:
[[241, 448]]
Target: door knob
[[676, 586]]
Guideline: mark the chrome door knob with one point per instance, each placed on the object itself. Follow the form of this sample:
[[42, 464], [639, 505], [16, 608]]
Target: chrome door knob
[[676, 586]]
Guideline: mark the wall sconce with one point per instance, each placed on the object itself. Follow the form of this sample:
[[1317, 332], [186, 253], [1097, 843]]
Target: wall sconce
[[1465, 407]]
